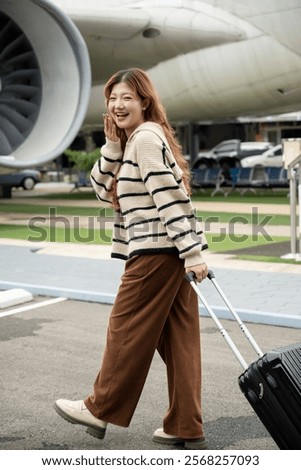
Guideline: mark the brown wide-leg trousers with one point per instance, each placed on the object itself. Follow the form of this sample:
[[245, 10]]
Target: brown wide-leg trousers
[[155, 308]]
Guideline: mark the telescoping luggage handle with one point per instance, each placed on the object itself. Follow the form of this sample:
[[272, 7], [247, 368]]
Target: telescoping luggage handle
[[191, 279]]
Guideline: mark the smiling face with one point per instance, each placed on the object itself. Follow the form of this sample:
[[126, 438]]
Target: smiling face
[[126, 108]]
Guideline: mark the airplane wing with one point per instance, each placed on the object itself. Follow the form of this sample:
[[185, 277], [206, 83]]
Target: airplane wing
[[120, 37], [209, 59]]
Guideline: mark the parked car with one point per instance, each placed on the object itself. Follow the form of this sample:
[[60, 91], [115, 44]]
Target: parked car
[[25, 179], [272, 157], [229, 153]]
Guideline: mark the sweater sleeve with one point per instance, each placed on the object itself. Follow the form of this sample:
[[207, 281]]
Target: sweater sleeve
[[172, 202], [104, 171]]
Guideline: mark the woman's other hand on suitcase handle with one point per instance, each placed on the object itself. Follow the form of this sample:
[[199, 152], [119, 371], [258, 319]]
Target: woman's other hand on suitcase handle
[[200, 271]]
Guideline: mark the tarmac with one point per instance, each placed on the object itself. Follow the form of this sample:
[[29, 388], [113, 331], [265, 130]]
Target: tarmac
[[52, 345]]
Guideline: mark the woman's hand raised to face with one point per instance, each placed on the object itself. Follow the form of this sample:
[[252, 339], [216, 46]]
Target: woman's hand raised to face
[[110, 129]]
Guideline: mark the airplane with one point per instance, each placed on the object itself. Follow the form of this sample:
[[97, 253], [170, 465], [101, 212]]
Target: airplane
[[210, 60]]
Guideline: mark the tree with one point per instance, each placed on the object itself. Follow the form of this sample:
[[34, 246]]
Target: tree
[[83, 161]]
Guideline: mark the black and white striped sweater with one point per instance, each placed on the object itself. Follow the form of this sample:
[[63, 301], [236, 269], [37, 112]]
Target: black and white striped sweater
[[156, 215]]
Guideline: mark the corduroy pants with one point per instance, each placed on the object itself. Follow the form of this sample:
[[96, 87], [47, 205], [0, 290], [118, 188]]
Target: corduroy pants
[[155, 308]]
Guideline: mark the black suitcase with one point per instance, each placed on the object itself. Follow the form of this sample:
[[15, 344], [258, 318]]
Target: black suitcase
[[271, 384]]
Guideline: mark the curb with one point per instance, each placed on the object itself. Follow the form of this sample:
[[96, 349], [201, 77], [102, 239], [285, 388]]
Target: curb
[[251, 316]]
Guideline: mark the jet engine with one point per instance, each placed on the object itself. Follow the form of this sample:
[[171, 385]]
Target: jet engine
[[45, 82]]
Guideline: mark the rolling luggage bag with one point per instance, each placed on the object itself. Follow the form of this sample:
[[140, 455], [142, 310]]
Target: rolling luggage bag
[[271, 384]]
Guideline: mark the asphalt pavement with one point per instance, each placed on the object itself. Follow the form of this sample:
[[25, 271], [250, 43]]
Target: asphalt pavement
[[54, 351]]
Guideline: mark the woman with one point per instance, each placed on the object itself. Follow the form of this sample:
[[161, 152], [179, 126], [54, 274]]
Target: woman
[[143, 175]]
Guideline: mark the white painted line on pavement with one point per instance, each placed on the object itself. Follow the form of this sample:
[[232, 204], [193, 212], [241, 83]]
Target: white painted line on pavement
[[33, 306]]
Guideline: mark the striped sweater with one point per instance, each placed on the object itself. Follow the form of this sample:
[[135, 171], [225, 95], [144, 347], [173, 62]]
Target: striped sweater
[[156, 215]]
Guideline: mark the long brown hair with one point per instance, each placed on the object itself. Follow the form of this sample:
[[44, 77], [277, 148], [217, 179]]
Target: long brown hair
[[140, 82]]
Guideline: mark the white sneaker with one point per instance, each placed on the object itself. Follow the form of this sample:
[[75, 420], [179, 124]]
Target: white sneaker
[[162, 437], [76, 412]]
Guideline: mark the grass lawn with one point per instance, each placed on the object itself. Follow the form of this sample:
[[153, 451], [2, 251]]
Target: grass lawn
[[217, 242], [206, 217], [254, 218], [261, 197], [55, 210], [38, 233], [267, 259], [229, 242]]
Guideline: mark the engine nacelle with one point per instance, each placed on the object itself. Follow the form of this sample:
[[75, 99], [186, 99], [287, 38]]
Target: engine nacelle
[[45, 82]]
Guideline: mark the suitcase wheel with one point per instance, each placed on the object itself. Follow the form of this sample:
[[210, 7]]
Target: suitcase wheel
[[252, 397], [271, 381]]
